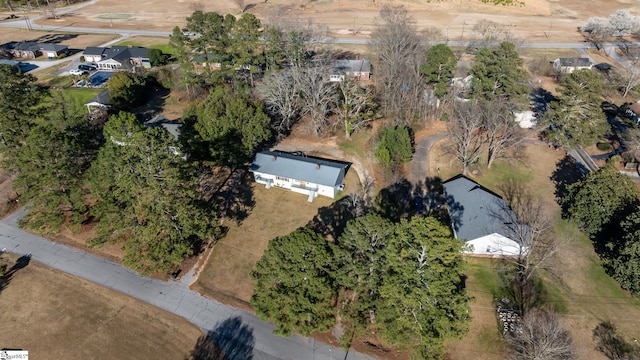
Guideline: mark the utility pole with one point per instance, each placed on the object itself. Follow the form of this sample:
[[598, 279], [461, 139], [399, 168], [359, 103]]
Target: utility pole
[[26, 19], [464, 24]]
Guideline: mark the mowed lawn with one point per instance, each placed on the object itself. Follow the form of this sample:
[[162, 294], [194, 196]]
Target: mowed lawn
[[277, 212], [578, 287], [54, 315], [151, 42]]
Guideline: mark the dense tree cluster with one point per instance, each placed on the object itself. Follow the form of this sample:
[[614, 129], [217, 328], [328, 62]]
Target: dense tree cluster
[[395, 146], [605, 205], [401, 281], [575, 117], [498, 74]]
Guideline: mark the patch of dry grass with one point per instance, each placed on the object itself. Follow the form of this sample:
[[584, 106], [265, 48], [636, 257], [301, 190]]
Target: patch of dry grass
[[277, 212], [57, 316]]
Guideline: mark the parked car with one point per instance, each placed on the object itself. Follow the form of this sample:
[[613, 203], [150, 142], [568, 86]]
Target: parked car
[[78, 72], [87, 67]]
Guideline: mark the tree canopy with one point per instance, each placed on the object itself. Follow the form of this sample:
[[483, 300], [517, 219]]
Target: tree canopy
[[498, 73], [394, 146], [575, 117], [228, 126], [144, 197], [126, 89], [601, 200], [294, 283], [440, 63], [403, 282]]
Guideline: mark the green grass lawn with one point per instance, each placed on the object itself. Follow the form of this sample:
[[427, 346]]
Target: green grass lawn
[[151, 43]]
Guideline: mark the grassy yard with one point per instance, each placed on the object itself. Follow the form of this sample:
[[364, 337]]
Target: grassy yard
[[58, 316], [277, 212], [151, 42]]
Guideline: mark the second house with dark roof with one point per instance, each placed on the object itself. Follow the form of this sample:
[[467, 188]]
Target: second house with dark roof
[[118, 57]]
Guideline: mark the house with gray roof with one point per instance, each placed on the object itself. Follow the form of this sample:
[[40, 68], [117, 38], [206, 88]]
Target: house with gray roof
[[33, 49], [359, 69], [299, 173], [118, 57], [569, 65], [101, 101], [482, 219]]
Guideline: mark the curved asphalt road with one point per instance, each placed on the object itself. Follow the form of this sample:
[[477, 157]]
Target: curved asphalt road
[[206, 313]]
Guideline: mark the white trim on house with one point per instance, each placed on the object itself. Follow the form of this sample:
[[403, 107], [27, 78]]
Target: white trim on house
[[304, 175], [495, 245]]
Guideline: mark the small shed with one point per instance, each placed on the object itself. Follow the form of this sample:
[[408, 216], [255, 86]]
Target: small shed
[[101, 101]]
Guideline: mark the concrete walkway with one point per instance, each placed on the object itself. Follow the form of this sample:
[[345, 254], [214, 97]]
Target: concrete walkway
[[174, 297]]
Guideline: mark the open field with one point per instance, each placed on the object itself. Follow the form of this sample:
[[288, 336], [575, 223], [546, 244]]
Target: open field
[[74, 41], [536, 20], [276, 212], [57, 316], [577, 286]]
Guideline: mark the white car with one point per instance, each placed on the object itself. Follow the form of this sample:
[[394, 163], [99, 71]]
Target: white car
[[78, 72]]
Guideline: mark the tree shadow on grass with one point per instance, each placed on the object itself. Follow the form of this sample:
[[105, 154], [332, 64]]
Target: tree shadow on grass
[[230, 340], [21, 263], [565, 174], [331, 220]]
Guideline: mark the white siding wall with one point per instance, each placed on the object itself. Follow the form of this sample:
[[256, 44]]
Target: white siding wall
[[92, 58], [296, 186]]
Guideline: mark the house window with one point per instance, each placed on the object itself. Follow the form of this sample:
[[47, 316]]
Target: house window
[[282, 178]]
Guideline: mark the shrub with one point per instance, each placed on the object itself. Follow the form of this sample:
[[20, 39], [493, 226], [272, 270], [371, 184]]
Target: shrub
[[394, 146]]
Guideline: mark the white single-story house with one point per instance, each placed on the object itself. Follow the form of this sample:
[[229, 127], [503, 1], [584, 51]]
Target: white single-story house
[[117, 57], [569, 65], [306, 175], [482, 219]]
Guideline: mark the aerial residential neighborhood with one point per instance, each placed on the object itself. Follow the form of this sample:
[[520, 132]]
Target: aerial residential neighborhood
[[320, 180]]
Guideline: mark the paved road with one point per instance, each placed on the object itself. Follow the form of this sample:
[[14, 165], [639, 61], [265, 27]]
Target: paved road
[[174, 297]]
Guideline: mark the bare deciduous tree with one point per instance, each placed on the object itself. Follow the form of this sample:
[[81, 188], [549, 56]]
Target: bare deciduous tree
[[529, 224], [491, 33], [399, 54], [622, 23], [357, 106], [503, 135], [465, 131], [318, 95], [626, 78], [612, 344], [540, 337], [596, 31], [281, 97]]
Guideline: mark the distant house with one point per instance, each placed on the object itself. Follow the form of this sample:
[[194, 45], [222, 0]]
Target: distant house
[[32, 49], [211, 61], [100, 101], [355, 69], [310, 176], [172, 127], [118, 57], [53, 50], [482, 218], [569, 65]]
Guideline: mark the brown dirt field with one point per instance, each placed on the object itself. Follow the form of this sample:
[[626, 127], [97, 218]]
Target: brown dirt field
[[277, 212], [74, 41], [55, 315], [558, 19]]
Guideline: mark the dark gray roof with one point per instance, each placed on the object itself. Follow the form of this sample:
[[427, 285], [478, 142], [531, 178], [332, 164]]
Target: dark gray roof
[[574, 61], [27, 46], [102, 98], [52, 47], [93, 50], [361, 65], [171, 126], [119, 53], [310, 169], [476, 211]]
